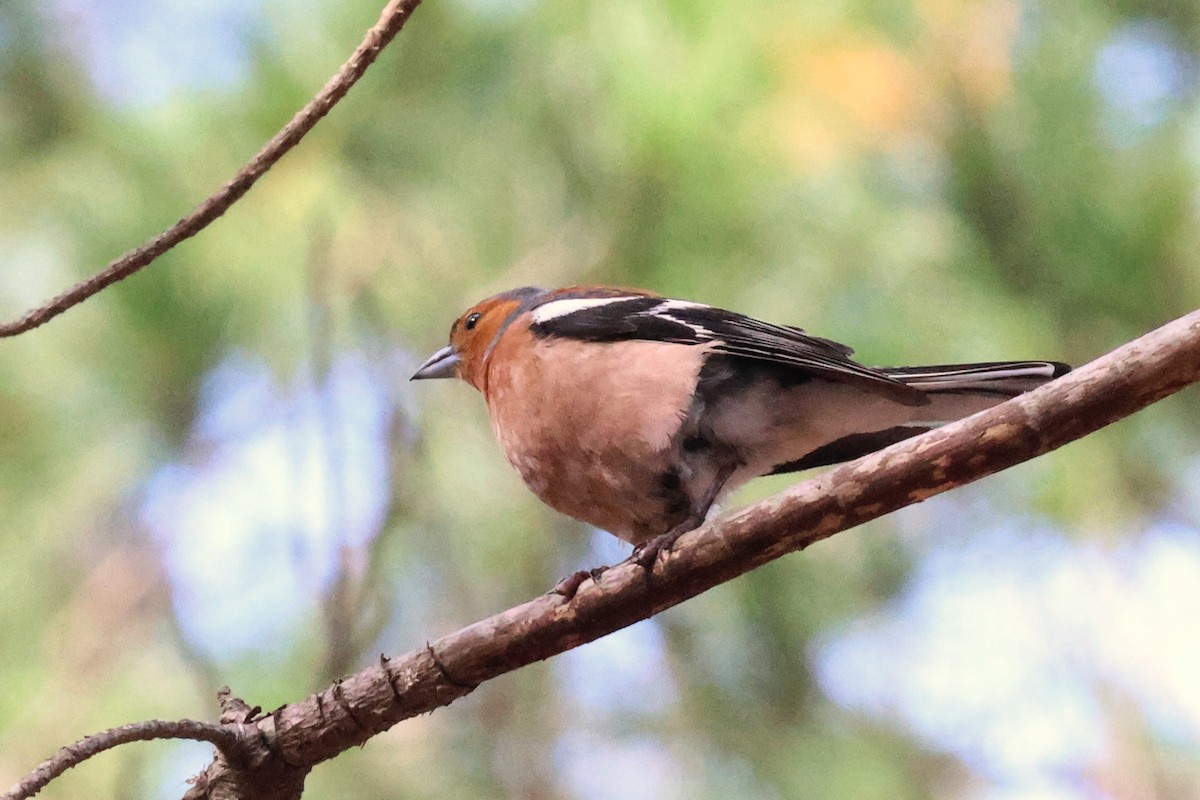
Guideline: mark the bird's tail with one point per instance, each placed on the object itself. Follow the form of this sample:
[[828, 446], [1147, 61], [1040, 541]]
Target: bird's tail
[[956, 390], [1009, 378], [952, 391]]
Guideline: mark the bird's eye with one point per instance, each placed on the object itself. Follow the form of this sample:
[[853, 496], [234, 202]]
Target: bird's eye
[[472, 321]]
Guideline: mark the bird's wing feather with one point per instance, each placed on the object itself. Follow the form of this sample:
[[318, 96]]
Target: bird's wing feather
[[608, 319]]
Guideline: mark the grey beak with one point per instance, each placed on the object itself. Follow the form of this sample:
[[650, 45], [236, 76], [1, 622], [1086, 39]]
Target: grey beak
[[440, 365]]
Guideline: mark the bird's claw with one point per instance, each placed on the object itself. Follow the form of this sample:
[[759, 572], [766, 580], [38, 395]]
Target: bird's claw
[[569, 585], [644, 555]]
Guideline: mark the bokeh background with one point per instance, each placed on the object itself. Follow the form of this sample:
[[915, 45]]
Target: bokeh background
[[216, 472]]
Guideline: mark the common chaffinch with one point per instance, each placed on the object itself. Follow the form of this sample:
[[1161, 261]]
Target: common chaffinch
[[636, 413]]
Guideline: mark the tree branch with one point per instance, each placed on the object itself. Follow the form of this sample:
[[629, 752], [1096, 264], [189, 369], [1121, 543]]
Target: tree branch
[[225, 739], [1108, 389], [279, 750], [391, 20]]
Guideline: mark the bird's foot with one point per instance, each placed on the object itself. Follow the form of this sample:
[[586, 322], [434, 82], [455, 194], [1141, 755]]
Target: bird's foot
[[569, 585], [645, 554]]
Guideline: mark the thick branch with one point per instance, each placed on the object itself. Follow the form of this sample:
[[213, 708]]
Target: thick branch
[[391, 20], [226, 739], [350, 712]]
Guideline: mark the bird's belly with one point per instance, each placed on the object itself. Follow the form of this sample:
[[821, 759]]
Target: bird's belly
[[599, 486], [597, 441]]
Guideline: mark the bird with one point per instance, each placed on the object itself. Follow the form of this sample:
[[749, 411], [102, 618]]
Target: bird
[[638, 414]]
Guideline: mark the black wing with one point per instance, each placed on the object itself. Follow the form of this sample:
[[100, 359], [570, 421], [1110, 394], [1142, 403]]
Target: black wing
[[610, 319]]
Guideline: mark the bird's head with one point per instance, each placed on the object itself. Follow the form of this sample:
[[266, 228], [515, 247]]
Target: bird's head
[[473, 335]]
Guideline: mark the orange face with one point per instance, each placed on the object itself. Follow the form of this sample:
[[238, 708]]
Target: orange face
[[471, 338]]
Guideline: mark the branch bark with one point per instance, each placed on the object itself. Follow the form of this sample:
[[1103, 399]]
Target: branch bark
[[391, 20], [75, 754], [277, 751]]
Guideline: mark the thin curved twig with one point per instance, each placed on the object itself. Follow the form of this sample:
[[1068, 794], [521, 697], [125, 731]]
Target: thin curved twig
[[269, 756], [225, 738], [391, 20]]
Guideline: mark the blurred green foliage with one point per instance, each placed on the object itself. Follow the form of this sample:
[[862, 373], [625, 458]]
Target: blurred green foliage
[[928, 180]]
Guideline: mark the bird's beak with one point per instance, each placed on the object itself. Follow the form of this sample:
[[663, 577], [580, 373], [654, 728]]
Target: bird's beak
[[439, 365]]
